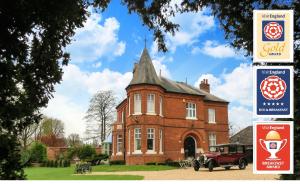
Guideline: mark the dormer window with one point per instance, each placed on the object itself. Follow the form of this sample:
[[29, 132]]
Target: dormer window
[[151, 104], [190, 110], [137, 103]]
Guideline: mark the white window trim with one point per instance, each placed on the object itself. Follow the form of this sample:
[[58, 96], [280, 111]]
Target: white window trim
[[135, 104], [119, 152], [214, 139], [160, 142], [151, 112], [161, 106], [153, 150], [135, 150], [212, 122], [189, 117], [128, 152]]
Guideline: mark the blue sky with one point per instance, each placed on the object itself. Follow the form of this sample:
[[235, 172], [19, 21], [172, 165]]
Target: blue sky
[[104, 50]]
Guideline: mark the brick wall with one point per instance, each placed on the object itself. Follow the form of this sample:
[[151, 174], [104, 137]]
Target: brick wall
[[173, 123]]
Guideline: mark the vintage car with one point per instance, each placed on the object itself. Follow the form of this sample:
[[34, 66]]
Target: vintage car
[[223, 155]]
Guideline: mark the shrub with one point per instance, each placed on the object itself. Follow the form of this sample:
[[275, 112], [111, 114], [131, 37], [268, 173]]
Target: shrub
[[96, 160], [117, 162], [51, 163], [151, 163], [38, 152], [44, 163], [25, 158], [55, 163], [72, 152], [173, 163], [60, 163], [86, 152], [65, 163]]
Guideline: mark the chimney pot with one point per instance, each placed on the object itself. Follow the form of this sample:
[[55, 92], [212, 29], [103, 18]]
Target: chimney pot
[[204, 85]]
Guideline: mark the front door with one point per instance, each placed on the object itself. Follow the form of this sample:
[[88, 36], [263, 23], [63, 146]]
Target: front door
[[189, 147]]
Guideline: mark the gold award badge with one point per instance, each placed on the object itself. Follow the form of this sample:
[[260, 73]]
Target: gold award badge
[[273, 36]]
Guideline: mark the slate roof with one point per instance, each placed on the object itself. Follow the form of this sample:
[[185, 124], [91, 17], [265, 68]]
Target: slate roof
[[244, 136], [144, 73]]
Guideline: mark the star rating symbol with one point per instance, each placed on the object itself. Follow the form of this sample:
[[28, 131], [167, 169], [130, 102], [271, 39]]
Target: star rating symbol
[[269, 103], [273, 103], [277, 103], [282, 103], [264, 103]]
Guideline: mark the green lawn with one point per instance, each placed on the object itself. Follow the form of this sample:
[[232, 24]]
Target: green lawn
[[67, 173], [113, 168], [46, 173]]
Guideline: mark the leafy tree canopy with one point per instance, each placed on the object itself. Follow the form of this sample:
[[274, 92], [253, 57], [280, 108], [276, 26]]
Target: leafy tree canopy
[[34, 33]]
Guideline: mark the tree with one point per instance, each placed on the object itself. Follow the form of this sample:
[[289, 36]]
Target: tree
[[73, 140], [33, 35], [100, 114], [52, 126], [38, 152], [26, 136], [52, 132]]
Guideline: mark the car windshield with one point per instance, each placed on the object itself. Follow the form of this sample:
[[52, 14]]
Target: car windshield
[[214, 149]]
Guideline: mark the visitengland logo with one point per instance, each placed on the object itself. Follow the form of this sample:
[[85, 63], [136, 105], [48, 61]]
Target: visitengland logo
[[273, 91], [273, 30], [273, 88], [273, 36], [273, 147]]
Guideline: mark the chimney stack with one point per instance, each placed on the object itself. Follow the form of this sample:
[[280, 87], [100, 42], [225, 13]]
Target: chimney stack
[[204, 85]]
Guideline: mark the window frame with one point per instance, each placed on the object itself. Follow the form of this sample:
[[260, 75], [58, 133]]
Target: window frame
[[119, 144], [152, 104], [161, 141], [210, 110], [191, 110], [214, 139], [137, 104], [161, 106], [135, 140], [151, 138]]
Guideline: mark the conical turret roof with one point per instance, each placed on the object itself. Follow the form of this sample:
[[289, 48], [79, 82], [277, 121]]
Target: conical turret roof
[[144, 72]]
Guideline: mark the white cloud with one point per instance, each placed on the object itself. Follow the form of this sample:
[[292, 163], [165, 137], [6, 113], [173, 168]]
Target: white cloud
[[96, 39], [213, 49], [71, 100], [240, 117], [97, 65], [62, 107], [192, 25], [235, 87], [160, 66]]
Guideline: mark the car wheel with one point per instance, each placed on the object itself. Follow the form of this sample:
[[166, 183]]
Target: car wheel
[[210, 166], [196, 166], [242, 164], [227, 168]]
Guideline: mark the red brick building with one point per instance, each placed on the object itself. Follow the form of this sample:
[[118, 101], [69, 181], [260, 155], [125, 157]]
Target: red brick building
[[166, 120]]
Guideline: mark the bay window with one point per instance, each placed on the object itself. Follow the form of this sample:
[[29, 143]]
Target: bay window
[[151, 103], [137, 103], [137, 140], [150, 139]]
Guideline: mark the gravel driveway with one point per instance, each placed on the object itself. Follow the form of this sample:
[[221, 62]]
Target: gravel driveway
[[203, 174]]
